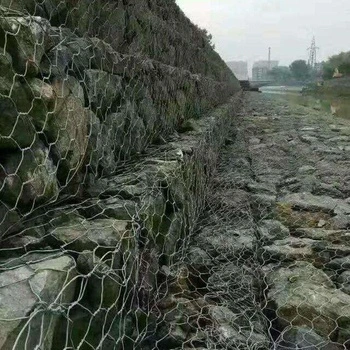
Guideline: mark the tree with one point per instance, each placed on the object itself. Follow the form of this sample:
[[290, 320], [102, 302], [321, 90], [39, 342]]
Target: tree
[[340, 62], [280, 74], [300, 70]]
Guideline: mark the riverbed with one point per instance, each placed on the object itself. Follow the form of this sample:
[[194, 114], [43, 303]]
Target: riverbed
[[337, 106], [272, 251]]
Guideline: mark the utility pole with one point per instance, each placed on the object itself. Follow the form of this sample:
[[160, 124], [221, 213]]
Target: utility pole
[[269, 59], [313, 53]]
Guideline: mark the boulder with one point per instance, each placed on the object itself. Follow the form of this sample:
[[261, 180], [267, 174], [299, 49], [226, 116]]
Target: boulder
[[229, 330], [227, 242], [116, 139], [271, 230], [109, 208], [103, 91], [289, 249], [68, 128], [304, 296], [25, 108], [33, 293], [332, 236], [308, 201], [9, 221], [102, 235], [104, 280], [16, 129], [26, 40], [28, 178], [303, 338], [69, 53]]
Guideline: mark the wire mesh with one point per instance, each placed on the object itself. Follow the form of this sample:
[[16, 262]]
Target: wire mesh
[[120, 225]]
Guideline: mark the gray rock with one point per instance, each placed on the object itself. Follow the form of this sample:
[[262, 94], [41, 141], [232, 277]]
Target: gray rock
[[289, 249], [103, 90], [303, 338], [68, 127], [119, 137], [27, 41], [344, 282], [199, 260], [68, 52], [104, 280], [308, 201], [227, 242], [302, 295], [16, 129], [9, 221], [104, 235], [30, 177], [307, 169], [109, 208], [25, 108], [271, 230], [263, 204], [340, 222], [230, 334], [32, 295], [332, 236], [262, 188]]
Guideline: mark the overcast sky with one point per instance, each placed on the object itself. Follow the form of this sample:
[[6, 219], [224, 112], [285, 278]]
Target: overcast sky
[[244, 29]]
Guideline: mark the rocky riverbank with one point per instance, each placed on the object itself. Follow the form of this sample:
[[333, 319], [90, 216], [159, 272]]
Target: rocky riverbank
[[269, 262]]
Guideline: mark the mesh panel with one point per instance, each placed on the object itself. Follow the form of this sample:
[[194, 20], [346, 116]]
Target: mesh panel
[[120, 225]]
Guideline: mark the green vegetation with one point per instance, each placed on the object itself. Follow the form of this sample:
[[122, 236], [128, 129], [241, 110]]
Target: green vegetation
[[281, 74], [300, 70], [340, 62]]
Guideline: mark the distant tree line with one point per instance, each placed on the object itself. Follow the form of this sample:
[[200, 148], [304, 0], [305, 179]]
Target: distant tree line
[[298, 71]]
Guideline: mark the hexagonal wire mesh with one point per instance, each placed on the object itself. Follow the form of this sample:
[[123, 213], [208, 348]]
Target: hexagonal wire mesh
[[105, 171]]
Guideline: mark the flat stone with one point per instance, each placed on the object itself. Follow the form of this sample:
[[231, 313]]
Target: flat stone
[[303, 338], [289, 249], [333, 236], [308, 201], [271, 230], [79, 235], [308, 138], [31, 294], [302, 295], [306, 169]]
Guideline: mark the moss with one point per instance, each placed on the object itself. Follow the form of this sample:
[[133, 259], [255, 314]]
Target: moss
[[299, 218]]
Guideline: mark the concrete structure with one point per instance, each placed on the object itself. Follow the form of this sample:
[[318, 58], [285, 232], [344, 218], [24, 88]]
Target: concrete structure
[[261, 69], [239, 68]]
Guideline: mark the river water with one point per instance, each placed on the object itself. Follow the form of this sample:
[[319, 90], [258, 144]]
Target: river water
[[338, 106]]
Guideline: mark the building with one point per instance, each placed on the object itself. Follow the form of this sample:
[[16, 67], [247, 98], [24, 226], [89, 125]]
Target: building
[[239, 68], [261, 69]]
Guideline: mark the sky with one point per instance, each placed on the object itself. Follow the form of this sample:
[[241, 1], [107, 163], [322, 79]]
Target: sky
[[245, 29]]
